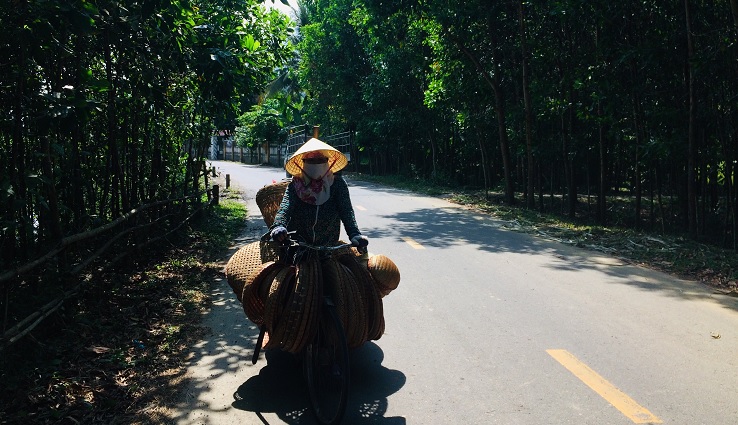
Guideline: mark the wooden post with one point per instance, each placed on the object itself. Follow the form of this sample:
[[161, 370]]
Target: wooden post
[[316, 130], [213, 170], [216, 194], [228, 181]]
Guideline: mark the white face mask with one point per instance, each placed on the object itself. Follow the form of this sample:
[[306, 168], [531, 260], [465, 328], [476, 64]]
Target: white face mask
[[315, 171], [314, 185]]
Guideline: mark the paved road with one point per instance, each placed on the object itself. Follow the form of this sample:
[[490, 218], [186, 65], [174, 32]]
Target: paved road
[[488, 326]]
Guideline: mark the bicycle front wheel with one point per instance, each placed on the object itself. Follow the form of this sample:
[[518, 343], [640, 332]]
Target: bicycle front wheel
[[326, 365]]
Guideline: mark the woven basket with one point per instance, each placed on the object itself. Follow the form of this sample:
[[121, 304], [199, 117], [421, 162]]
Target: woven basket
[[241, 265], [247, 261], [300, 318], [341, 286], [268, 198], [385, 273], [254, 296], [291, 313], [374, 307], [278, 293], [369, 301]]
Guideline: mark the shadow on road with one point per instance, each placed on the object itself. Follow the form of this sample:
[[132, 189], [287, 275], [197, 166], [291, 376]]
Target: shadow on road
[[446, 228], [280, 388]]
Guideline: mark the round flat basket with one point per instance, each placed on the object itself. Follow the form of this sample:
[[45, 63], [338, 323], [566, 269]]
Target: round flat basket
[[279, 290], [252, 297], [241, 265], [334, 284], [358, 329], [268, 199], [371, 301], [338, 283], [302, 306]]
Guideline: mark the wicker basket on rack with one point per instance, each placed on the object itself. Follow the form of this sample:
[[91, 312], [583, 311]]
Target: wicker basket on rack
[[246, 261], [343, 288], [385, 273], [268, 198]]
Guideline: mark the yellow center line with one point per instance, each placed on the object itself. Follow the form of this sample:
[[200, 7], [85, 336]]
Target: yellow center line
[[626, 405], [359, 207], [413, 244]]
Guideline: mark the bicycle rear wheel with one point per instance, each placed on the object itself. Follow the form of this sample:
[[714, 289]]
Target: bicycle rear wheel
[[326, 366]]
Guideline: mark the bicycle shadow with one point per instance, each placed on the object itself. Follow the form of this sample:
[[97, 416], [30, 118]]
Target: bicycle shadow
[[280, 388]]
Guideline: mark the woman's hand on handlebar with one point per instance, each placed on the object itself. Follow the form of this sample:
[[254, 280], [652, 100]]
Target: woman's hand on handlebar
[[360, 241], [279, 234]]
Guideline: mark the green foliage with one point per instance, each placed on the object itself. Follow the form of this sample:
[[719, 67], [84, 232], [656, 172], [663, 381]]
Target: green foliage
[[435, 89], [261, 125], [238, 46], [109, 106], [332, 65]]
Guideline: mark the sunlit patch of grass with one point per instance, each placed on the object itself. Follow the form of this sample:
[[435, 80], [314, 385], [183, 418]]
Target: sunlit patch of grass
[[214, 233]]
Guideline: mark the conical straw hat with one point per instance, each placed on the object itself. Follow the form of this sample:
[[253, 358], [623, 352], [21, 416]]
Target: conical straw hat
[[336, 160]]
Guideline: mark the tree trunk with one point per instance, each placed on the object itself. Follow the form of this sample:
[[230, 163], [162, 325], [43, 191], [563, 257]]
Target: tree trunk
[[495, 84], [692, 152], [53, 220], [601, 194], [568, 172], [483, 154], [434, 171], [114, 161], [530, 195], [17, 245], [504, 142], [570, 159], [734, 142], [637, 128]]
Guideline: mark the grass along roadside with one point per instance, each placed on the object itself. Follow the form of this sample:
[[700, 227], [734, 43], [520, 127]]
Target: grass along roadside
[[118, 356], [673, 254]]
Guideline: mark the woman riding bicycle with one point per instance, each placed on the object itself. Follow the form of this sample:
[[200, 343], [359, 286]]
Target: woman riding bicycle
[[317, 199]]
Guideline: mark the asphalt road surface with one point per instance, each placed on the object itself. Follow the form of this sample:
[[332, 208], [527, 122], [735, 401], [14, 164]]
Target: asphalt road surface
[[488, 326]]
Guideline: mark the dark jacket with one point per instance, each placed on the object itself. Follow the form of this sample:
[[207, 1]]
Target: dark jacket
[[318, 224]]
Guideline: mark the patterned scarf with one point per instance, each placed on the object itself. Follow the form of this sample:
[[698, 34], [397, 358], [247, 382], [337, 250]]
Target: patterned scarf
[[311, 189]]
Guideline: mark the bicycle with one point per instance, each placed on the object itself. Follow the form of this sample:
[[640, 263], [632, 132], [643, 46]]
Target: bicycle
[[325, 358]]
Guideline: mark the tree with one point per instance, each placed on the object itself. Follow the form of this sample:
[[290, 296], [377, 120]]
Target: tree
[[109, 105], [260, 126], [580, 96]]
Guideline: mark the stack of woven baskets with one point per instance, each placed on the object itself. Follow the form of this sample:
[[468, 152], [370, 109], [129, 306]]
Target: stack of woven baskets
[[285, 299]]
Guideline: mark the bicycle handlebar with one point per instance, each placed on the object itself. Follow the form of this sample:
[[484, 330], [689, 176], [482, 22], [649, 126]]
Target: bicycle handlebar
[[290, 242], [322, 248]]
